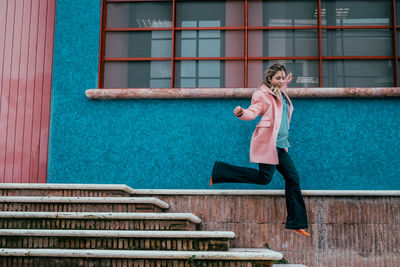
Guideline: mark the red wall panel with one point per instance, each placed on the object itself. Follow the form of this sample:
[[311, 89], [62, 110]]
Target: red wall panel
[[26, 56]]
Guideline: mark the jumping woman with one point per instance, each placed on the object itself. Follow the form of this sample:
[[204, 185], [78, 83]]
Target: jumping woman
[[269, 146]]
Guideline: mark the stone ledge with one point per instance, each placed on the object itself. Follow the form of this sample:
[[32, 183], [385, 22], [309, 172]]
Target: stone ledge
[[232, 254], [102, 215], [118, 233], [128, 189], [73, 200], [44, 186], [225, 192], [188, 93]]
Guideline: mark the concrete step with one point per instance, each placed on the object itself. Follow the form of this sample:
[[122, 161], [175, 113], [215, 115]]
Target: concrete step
[[103, 239], [56, 257], [82, 204], [66, 190], [99, 221]]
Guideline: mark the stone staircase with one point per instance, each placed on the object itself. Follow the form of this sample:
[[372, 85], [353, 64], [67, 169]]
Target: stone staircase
[[105, 225]]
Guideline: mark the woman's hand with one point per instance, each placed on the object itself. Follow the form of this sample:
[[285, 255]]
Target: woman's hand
[[238, 111], [289, 79]]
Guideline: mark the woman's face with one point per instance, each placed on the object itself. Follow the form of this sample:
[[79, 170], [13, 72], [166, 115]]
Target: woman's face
[[278, 79]]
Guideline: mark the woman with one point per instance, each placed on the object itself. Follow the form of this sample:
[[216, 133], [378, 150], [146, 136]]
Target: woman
[[269, 146]]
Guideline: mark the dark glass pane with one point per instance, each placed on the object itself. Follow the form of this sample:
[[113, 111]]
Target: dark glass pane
[[139, 44], [305, 72], [139, 15], [398, 75], [210, 43], [366, 42], [283, 43], [153, 74], [210, 13], [209, 73], [357, 73], [398, 12], [282, 13], [350, 12], [398, 44]]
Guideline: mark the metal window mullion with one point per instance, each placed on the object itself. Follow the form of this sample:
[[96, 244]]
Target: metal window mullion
[[103, 20], [242, 58], [246, 21], [361, 27], [396, 64], [319, 44], [197, 75], [357, 27], [137, 29], [173, 44]]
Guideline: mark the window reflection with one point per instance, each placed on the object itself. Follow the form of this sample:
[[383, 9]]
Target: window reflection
[[204, 73], [398, 44], [282, 13], [305, 72], [204, 43], [200, 43], [139, 15], [357, 73], [283, 43], [139, 44], [397, 4], [356, 42], [161, 43], [195, 50], [160, 74], [209, 73], [348, 12], [229, 12], [154, 74]]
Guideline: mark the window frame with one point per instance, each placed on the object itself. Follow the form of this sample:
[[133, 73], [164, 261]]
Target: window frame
[[246, 28]]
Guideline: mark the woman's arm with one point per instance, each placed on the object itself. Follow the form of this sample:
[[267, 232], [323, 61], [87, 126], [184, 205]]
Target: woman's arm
[[257, 105]]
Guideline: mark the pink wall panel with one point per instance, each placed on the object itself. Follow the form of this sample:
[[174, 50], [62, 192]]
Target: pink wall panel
[[22, 87], [28, 114], [46, 95], [26, 55], [5, 84], [13, 89]]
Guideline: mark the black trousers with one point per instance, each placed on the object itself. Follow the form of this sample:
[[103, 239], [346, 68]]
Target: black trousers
[[296, 209]]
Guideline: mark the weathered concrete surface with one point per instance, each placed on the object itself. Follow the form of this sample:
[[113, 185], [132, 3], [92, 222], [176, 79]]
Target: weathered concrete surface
[[161, 93], [345, 230]]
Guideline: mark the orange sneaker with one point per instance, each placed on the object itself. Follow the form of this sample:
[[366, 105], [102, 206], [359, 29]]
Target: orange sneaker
[[211, 182], [302, 232]]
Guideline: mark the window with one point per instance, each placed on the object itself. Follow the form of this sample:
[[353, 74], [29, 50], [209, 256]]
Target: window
[[229, 43]]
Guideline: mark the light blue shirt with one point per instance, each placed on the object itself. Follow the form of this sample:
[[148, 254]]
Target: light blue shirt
[[283, 140]]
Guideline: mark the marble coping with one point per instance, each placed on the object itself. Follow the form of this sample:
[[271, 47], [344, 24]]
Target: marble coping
[[45, 186], [102, 215], [248, 192], [187, 93], [232, 254], [111, 200], [128, 189], [119, 233]]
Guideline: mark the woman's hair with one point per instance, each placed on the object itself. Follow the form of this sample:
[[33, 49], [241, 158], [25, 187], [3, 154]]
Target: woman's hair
[[287, 71], [270, 72]]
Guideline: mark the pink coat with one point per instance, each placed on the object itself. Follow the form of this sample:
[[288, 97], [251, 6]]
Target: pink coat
[[263, 142]]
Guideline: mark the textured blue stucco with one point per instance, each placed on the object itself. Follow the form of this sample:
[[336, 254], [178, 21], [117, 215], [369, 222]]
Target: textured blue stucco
[[337, 143]]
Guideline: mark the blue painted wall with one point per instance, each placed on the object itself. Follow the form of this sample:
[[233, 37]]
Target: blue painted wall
[[338, 143]]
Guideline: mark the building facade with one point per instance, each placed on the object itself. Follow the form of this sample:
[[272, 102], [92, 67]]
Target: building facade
[[142, 93], [345, 142]]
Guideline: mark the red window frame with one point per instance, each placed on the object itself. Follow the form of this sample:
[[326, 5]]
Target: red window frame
[[102, 59]]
